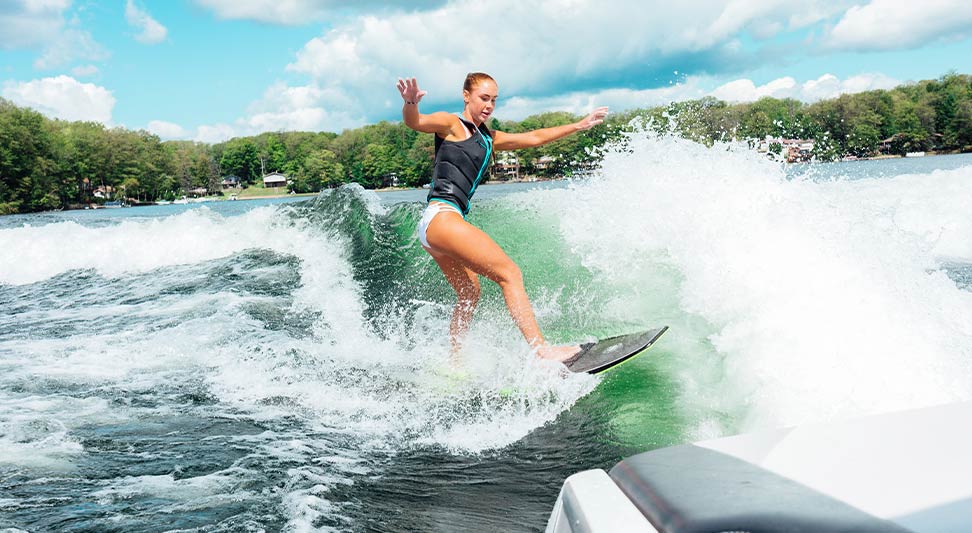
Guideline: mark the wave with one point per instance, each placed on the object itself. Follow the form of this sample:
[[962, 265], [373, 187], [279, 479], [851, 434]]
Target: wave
[[802, 299]]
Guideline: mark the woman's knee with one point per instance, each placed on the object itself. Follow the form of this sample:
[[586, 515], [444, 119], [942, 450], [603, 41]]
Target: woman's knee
[[469, 293], [467, 289], [507, 273]]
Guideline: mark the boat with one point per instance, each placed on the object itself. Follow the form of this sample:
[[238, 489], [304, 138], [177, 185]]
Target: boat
[[114, 204], [915, 154], [181, 201], [895, 472]]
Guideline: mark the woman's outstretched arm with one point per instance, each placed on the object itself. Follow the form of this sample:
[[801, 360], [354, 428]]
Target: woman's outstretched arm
[[440, 123], [514, 141]]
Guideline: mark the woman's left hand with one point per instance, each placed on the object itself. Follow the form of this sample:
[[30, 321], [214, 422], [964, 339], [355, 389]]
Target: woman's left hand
[[596, 117], [411, 93]]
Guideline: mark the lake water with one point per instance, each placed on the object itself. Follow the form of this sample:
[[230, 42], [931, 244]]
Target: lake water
[[279, 365]]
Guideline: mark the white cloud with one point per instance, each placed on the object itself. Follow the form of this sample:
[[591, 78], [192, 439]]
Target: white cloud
[[150, 31], [166, 130], [553, 47], [215, 133], [811, 13], [286, 108], [822, 88], [552, 54], [85, 70], [286, 12], [745, 90], [63, 97], [518, 108], [41, 24], [546, 55], [766, 18], [896, 24], [300, 12], [30, 23], [867, 82], [70, 45], [742, 90]]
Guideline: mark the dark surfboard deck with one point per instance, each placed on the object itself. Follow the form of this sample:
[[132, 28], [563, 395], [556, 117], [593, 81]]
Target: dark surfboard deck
[[596, 357]]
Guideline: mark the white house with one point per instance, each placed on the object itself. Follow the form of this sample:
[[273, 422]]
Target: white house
[[506, 167], [274, 180], [792, 149]]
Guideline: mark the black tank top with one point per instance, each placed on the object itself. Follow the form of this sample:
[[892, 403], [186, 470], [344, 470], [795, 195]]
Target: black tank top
[[460, 166]]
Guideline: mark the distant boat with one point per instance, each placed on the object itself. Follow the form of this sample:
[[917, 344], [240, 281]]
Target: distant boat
[[915, 154], [182, 200], [115, 204], [162, 202]]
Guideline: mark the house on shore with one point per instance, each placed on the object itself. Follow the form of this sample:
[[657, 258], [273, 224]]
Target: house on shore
[[231, 182], [544, 162], [104, 192], [792, 150], [506, 167], [274, 180]]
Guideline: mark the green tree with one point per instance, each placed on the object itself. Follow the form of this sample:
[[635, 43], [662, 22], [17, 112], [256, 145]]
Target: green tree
[[273, 156], [863, 139], [378, 163], [320, 170], [417, 166], [26, 161], [240, 158]]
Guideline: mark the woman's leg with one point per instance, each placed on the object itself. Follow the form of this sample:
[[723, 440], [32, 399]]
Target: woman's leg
[[466, 284], [471, 248]]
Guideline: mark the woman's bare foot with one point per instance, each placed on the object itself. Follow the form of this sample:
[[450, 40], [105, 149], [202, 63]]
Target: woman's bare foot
[[556, 353], [455, 360]]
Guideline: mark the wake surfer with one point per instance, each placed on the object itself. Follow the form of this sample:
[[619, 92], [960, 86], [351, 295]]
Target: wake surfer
[[463, 145]]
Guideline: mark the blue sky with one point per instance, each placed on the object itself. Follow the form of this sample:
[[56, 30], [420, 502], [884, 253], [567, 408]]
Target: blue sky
[[213, 69]]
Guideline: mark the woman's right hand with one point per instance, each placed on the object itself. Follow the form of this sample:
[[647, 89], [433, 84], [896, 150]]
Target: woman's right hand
[[410, 91], [596, 117]]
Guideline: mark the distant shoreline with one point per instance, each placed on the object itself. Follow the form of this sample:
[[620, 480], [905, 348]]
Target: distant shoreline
[[928, 153], [503, 182]]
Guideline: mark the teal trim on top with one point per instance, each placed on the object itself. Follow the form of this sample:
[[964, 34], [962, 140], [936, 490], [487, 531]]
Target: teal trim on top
[[489, 152], [488, 145], [440, 200]]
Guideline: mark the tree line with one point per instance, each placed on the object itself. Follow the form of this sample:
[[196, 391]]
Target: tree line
[[50, 164]]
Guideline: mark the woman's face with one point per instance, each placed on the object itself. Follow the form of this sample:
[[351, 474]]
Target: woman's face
[[481, 100]]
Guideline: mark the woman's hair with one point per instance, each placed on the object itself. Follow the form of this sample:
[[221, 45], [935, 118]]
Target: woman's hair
[[475, 78]]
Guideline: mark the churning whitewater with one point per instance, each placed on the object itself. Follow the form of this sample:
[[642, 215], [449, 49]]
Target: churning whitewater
[[284, 366]]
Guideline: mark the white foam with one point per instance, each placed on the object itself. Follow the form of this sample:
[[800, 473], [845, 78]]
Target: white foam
[[33, 253], [334, 379], [931, 209], [35, 431], [822, 299]]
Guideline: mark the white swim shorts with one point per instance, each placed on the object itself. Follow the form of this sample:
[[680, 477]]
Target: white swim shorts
[[434, 208]]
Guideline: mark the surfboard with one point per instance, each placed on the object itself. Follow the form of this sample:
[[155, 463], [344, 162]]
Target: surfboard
[[596, 357]]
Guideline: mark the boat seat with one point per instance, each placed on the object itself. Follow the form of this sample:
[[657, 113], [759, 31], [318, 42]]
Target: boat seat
[[690, 489]]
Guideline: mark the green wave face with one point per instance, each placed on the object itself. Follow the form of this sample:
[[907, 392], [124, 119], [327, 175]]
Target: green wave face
[[637, 404]]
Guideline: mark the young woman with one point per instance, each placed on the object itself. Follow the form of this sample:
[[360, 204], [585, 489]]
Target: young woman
[[463, 145]]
